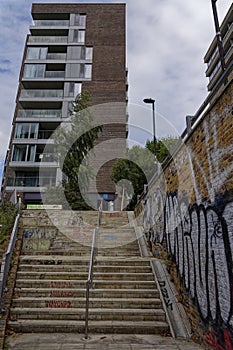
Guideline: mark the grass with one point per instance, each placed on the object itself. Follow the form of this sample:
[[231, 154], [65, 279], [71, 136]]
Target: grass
[[8, 213]]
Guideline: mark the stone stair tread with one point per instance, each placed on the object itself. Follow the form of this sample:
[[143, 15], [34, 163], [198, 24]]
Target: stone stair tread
[[99, 326], [91, 310]]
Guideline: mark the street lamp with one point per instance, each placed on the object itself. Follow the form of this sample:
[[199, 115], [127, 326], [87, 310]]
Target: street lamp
[[152, 102]]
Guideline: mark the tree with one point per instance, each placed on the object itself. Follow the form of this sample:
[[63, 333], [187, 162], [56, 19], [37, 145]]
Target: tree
[[73, 141], [137, 168], [164, 147]]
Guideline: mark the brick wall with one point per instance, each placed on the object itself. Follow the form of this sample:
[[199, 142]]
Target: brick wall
[[188, 216]]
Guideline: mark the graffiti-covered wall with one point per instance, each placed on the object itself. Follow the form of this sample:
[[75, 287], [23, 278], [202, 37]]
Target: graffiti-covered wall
[[188, 209]]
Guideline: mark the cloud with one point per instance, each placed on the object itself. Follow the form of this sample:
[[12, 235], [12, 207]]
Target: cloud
[[166, 42]]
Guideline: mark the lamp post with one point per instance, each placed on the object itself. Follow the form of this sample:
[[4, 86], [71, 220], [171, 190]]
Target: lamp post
[[152, 102]]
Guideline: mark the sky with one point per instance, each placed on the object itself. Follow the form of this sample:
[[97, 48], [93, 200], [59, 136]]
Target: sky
[[166, 43]]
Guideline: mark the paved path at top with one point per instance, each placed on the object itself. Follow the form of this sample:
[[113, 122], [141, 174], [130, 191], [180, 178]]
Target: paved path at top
[[99, 342]]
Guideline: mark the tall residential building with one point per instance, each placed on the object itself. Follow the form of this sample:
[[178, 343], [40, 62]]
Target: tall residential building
[[70, 48], [212, 57]]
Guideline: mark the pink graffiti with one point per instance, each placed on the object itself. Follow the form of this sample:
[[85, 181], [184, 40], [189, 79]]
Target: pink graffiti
[[213, 341]]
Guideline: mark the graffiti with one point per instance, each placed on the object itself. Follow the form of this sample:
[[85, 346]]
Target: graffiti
[[40, 238], [199, 239], [58, 304], [165, 295], [215, 343]]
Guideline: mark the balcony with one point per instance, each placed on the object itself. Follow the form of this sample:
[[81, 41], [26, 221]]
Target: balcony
[[45, 134], [39, 113], [45, 158], [33, 93], [56, 56], [55, 74], [51, 23], [48, 39], [31, 181]]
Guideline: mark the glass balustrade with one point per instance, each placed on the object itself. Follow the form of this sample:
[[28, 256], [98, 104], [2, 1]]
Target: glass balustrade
[[48, 23], [45, 157], [45, 134], [39, 113], [47, 39], [31, 181], [54, 74], [41, 93], [56, 56]]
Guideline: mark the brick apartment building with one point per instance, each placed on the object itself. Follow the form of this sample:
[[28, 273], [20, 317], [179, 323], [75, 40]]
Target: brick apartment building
[[70, 48]]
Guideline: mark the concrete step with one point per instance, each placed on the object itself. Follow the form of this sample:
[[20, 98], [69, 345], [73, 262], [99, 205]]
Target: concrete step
[[70, 260], [118, 303], [57, 326], [83, 268], [54, 275], [94, 314], [94, 293], [32, 283]]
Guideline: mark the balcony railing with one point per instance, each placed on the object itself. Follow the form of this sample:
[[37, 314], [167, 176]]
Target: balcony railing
[[56, 56], [55, 74], [47, 39], [48, 23], [39, 113], [45, 134], [41, 93], [31, 181], [45, 157]]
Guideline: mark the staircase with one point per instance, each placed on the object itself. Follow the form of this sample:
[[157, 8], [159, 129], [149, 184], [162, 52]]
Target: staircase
[[49, 293]]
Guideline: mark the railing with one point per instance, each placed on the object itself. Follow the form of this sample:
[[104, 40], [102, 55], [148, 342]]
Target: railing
[[6, 259], [39, 113], [33, 181], [56, 56], [45, 134], [48, 23], [47, 39], [55, 74], [94, 251], [30, 93]]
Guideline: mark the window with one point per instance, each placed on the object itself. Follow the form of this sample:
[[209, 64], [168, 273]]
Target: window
[[34, 70], [78, 36], [80, 20], [26, 130], [36, 53], [78, 70], [80, 53], [88, 71], [75, 89], [22, 153], [89, 53], [19, 153]]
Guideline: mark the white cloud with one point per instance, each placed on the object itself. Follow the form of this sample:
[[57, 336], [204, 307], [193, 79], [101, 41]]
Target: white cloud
[[166, 41]]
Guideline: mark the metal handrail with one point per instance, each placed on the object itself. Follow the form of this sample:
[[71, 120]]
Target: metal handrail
[[6, 259], [94, 251]]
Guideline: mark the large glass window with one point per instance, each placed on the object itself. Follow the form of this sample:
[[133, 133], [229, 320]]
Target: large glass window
[[89, 53], [78, 70], [36, 53], [22, 153], [26, 130], [19, 153], [34, 70]]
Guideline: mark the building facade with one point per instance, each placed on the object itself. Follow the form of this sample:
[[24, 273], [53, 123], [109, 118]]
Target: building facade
[[70, 48]]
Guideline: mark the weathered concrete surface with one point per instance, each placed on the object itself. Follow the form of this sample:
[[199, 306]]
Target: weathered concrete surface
[[97, 342]]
